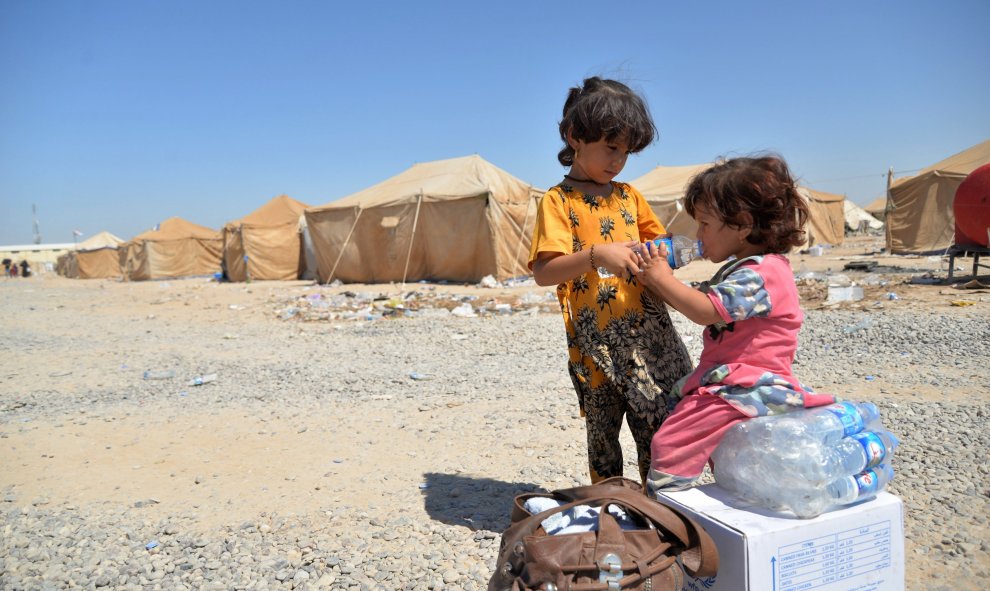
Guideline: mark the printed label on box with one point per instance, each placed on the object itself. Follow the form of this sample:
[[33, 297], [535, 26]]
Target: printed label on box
[[857, 548]]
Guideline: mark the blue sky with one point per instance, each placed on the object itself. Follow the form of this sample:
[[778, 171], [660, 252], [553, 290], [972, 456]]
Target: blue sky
[[117, 115]]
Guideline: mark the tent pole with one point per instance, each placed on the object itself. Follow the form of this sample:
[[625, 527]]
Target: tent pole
[[346, 242], [887, 209], [419, 201]]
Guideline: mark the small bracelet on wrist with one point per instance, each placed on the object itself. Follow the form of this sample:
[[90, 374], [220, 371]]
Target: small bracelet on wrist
[[592, 258]]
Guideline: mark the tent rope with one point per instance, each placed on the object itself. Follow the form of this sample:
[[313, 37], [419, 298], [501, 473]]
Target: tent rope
[[405, 270]]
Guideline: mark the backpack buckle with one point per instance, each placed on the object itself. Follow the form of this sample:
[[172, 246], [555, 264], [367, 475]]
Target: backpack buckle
[[610, 571]]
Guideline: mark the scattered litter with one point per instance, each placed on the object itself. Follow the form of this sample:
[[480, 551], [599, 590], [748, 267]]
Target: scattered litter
[[864, 323], [423, 485], [236, 307], [974, 284], [159, 374], [816, 251], [840, 280], [811, 276], [488, 281], [860, 266], [531, 297], [870, 378], [852, 293], [151, 544], [423, 302], [961, 303], [892, 296], [200, 380], [464, 311], [419, 377]]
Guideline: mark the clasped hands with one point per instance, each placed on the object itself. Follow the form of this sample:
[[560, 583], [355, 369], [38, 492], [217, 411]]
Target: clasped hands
[[633, 257]]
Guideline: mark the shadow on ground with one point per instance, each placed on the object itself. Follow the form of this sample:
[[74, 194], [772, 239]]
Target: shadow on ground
[[478, 503]]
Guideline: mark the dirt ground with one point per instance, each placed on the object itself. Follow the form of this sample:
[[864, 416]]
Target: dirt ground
[[63, 460], [57, 460]]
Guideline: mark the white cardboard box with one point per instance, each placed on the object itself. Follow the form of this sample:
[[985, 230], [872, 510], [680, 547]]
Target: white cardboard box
[[856, 548]]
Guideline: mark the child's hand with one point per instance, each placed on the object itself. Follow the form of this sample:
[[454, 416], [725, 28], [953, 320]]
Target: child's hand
[[653, 265], [619, 258]]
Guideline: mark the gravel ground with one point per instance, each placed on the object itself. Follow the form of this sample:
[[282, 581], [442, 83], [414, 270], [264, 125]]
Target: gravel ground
[[406, 436]]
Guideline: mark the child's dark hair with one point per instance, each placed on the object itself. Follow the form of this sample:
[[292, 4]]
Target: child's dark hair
[[605, 109], [761, 186]]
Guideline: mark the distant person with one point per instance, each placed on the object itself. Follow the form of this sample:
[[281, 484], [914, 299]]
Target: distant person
[[6, 267], [624, 353], [13, 270], [25, 269], [749, 213]]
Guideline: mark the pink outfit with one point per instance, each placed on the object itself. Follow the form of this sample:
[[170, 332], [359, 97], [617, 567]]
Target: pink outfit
[[744, 370]]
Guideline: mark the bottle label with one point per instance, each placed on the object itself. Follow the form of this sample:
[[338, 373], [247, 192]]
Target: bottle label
[[852, 422], [668, 243], [867, 483], [876, 451]]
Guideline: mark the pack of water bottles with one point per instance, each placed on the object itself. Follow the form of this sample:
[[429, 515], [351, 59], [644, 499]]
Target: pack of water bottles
[[807, 461]]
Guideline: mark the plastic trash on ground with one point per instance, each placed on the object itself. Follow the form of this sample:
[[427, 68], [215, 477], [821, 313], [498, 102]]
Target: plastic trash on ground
[[464, 310], [488, 281], [164, 374], [205, 379], [839, 293]]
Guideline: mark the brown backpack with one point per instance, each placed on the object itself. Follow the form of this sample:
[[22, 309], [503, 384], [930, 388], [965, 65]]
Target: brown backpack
[[650, 559]]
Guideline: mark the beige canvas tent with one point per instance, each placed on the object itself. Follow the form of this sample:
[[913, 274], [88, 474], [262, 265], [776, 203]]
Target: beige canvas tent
[[65, 264], [858, 220], [97, 257], [664, 187], [457, 220], [919, 208], [174, 248], [826, 216], [267, 240], [877, 208]]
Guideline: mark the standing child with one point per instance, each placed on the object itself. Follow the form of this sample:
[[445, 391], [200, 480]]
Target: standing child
[[749, 213], [624, 354]]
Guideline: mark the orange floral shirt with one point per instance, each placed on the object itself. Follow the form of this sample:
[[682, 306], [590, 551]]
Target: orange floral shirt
[[609, 320]]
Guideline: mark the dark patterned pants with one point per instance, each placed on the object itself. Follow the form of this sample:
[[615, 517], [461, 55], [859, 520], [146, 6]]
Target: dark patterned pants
[[604, 409]]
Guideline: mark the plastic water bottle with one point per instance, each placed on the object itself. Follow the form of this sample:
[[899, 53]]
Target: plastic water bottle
[[681, 250], [827, 424], [850, 455], [808, 502], [804, 461], [864, 485]]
